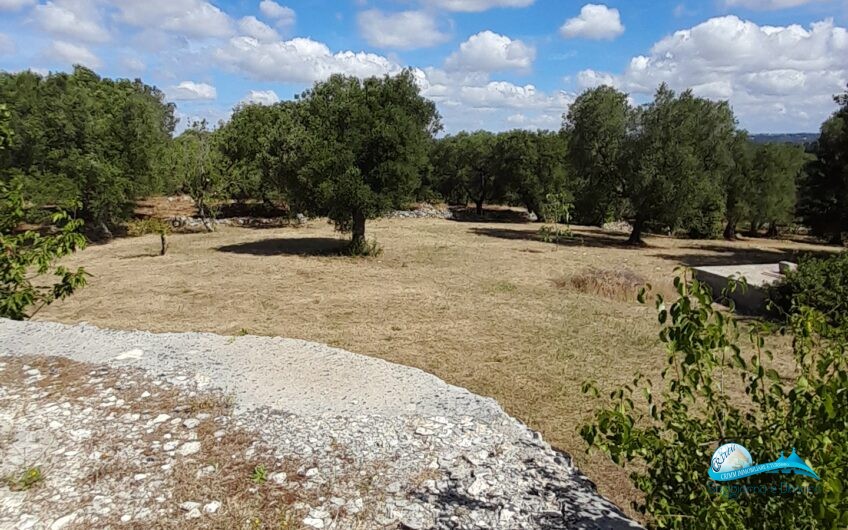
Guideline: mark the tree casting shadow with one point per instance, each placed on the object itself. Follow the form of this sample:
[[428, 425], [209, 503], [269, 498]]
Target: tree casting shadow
[[289, 246]]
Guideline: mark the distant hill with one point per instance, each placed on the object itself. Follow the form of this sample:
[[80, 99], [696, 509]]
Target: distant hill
[[785, 138]]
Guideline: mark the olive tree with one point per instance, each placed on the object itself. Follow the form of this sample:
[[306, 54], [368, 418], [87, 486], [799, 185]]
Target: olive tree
[[737, 183], [680, 149], [25, 257], [824, 190], [777, 168], [80, 139], [195, 162], [531, 166], [597, 125], [361, 146]]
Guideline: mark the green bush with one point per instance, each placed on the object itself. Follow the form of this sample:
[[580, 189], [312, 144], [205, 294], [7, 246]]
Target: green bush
[[666, 440], [820, 283], [26, 257], [556, 213], [143, 227], [704, 222]]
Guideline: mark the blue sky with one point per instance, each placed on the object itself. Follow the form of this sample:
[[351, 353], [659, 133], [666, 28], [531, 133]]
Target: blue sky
[[493, 64]]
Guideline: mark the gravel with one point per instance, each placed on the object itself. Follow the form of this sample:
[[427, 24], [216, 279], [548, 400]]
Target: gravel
[[380, 445]]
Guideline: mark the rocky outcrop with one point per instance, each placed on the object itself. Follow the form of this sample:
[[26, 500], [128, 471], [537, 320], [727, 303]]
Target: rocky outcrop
[[124, 426]]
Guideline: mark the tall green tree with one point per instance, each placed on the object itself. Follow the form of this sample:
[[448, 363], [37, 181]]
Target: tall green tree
[[82, 139], [737, 183], [597, 125], [772, 194], [444, 176], [365, 145], [26, 257], [464, 167], [681, 147], [245, 143], [824, 190], [195, 161], [531, 165]]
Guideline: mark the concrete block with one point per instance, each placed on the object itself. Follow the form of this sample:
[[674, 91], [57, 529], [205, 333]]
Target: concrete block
[[759, 278]]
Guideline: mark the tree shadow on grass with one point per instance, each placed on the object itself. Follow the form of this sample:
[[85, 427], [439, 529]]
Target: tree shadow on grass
[[718, 255], [578, 239], [289, 246], [469, 215]]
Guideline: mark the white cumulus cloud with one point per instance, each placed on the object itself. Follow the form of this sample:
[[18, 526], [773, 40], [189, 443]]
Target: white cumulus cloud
[[476, 6], [775, 77], [261, 97], [595, 21], [191, 91], [71, 54], [768, 4], [192, 18], [490, 52], [299, 60], [15, 5], [283, 16], [587, 79], [71, 19], [471, 100], [253, 27], [405, 30]]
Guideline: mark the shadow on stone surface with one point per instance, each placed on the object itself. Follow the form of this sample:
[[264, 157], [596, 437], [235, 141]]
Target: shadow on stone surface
[[558, 495]]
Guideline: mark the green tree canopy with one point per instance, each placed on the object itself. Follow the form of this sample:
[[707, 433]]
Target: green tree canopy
[[464, 169], [772, 193], [680, 150], [364, 146], [662, 163], [737, 183], [597, 126], [80, 138], [531, 165], [245, 143], [194, 161], [25, 257], [824, 191]]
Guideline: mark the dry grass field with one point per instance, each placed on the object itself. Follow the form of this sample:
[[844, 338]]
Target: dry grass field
[[485, 306]]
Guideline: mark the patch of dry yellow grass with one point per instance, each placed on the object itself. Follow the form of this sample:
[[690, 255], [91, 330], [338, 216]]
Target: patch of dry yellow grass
[[473, 303]]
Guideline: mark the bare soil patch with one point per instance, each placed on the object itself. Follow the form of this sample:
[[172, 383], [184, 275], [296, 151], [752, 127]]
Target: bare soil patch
[[474, 303]]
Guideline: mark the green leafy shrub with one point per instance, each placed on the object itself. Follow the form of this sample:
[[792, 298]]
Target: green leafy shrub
[[259, 475], [820, 283], [143, 227], [363, 248], [666, 440], [25, 481], [24, 257], [556, 213], [27, 256], [705, 221]]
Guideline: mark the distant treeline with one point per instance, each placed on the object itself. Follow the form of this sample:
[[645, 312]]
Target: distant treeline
[[786, 138], [352, 149]]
